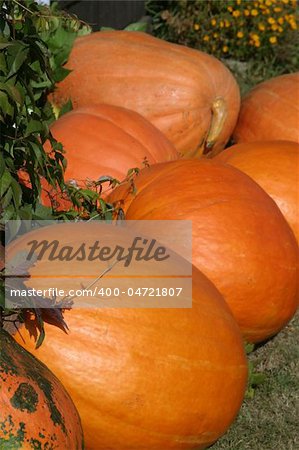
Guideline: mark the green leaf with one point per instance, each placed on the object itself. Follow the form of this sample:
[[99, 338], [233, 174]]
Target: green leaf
[[42, 212], [86, 29], [16, 193], [104, 179], [5, 105], [34, 126], [5, 182], [38, 154], [14, 226], [16, 94], [41, 336], [103, 205], [60, 74], [137, 26], [8, 213], [249, 348], [19, 59], [67, 107], [6, 199], [25, 212], [4, 45]]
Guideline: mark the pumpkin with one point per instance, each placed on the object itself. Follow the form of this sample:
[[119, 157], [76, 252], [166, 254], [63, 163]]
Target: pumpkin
[[189, 95], [142, 378], [270, 111], [241, 240], [105, 140], [35, 409], [274, 165]]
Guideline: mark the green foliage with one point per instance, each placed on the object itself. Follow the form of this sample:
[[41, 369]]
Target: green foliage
[[34, 43], [260, 35]]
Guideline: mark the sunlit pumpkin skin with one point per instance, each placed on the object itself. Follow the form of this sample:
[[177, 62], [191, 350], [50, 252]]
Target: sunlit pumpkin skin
[[35, 409], [270, 111], [274, 165], [108, 140], [148, 379], [105, 140], [189, 95], [241, 240]]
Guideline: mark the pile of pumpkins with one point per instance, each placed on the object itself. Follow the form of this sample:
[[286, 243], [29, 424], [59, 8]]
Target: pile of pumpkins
[[158, 379]]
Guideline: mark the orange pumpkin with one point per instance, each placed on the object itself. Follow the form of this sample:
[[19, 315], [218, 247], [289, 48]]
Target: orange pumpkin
[[107, 140], [189, 95], [270, 111], [274, 165], [35, 409], [143, 378], [241, 240]]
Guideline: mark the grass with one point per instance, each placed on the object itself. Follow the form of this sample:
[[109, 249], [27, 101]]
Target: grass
[[269, 421]]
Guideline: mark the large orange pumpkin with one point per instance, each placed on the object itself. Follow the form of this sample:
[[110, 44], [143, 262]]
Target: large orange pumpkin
[[144, 378], [189, 95], [36, 412], [107, 140], [241, 240], [270, 111], [274, 165]]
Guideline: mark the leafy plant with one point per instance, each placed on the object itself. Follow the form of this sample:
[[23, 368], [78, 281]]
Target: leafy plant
[[35, 42], [261, 34]]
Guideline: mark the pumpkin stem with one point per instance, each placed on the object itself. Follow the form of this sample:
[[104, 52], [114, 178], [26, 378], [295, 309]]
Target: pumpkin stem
[[219, 114]]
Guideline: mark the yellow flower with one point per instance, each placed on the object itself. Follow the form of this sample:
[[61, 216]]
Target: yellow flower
[[230, 8], [286, 2], [280, 29], [206, 38], [255, 37], [293, 24], [254, 12], [273, 39], [246, 12], [274, 27], [238, 2], [227, 23], [271, 20], [261, 27], [221, 23], [225, 49], [196, 26], [277, 9], [280, 20], [236, 13], [257, 43], [268, 3], [213, 22], [240, 34], [215, 35]]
